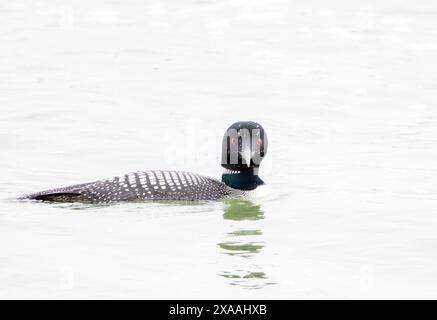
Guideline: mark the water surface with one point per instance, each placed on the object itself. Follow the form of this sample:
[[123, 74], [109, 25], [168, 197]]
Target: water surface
[[346, 92]]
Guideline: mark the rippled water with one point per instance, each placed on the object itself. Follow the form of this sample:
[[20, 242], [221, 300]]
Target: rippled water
[[346, 92]]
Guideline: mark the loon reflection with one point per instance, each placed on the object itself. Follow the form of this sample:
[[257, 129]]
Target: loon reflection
[[245, 244], [238, 210]]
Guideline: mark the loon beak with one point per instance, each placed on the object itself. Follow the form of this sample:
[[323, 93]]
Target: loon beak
[[247, 155]]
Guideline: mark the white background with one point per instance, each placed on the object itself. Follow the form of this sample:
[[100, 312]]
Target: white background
[[346, 92]]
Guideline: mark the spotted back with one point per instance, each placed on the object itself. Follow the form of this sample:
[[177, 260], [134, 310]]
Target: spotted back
[[153, 185]]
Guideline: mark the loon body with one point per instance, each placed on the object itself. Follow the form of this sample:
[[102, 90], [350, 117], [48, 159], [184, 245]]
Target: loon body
[[244, 146], [145, 185]]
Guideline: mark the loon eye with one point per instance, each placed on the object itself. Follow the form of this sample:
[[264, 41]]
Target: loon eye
[[233, 141], [259, 141]]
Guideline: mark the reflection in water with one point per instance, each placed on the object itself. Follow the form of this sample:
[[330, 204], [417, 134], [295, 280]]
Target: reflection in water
[[236, 248], [242, 210], [244, 244]]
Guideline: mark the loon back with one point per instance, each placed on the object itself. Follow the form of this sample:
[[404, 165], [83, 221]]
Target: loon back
[[139, 186]]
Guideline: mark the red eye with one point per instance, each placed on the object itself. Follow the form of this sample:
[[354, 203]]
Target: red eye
[[233, 141], [259, 141]]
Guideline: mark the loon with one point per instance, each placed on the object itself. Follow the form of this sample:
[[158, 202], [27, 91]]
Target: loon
[[244, 146]]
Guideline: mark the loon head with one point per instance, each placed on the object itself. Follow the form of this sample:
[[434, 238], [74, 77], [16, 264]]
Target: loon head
[[244, 147]]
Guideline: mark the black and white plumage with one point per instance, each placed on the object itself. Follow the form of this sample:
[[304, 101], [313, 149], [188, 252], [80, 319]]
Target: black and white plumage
[[144, 185], [244, 147]]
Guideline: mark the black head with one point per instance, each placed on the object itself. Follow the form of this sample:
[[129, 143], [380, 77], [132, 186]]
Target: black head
[[244, 146]]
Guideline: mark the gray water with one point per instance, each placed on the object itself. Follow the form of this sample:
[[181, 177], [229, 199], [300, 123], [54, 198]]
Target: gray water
[[346, 92]]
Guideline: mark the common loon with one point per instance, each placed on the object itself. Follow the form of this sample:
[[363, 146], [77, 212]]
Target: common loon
[[243, 148]]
